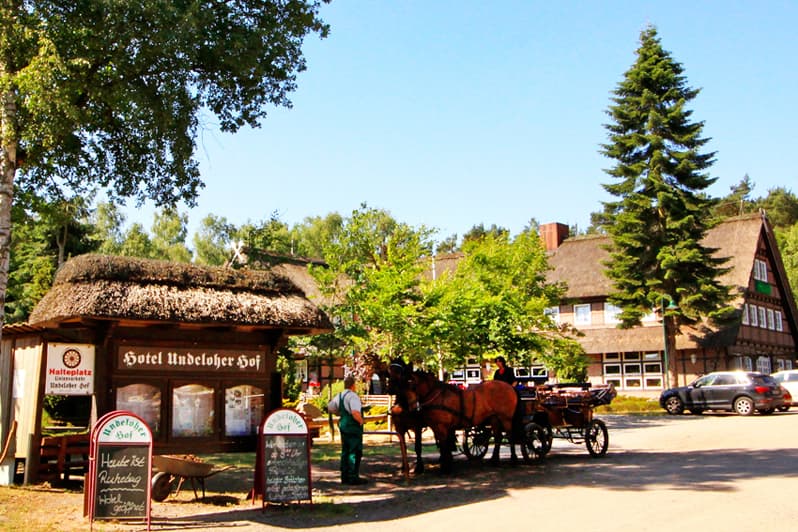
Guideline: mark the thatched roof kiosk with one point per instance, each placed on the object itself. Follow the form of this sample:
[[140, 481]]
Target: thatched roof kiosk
[[192, 350]]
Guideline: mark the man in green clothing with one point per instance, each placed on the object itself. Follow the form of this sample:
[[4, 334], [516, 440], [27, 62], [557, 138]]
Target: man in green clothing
[[347, 405]]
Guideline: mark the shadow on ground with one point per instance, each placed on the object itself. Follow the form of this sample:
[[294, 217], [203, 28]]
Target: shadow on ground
[[389, 497]]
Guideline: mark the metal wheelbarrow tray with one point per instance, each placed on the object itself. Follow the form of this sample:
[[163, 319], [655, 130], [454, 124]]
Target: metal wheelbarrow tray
[[181, 468]]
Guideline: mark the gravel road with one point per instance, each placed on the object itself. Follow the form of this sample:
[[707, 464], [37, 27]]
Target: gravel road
[[711, 472]]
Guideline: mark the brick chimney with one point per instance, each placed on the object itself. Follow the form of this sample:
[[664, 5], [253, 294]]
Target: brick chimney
[[553, 234]]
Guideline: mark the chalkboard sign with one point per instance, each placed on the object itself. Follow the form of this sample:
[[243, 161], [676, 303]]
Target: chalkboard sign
[[284, 458], [120, 468], [287, 470], [122, 479]]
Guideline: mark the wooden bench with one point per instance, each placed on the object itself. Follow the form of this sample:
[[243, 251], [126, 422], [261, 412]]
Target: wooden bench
[[62, 456], [379, 400]]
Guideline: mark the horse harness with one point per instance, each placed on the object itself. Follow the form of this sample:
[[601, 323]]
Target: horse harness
[[429, 403]]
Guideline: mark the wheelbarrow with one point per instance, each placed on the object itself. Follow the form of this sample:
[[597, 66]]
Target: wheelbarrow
[[176, 469]]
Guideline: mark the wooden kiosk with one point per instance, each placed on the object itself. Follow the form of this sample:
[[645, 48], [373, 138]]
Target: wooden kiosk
[[190, 350]]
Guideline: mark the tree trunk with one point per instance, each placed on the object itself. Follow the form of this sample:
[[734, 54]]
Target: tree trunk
[[8, 167]]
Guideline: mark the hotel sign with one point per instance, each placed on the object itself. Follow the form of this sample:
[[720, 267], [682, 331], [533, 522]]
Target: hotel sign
[[136, 358]]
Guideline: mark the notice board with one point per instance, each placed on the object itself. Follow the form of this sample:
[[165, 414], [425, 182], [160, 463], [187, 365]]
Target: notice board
[[285, 454]]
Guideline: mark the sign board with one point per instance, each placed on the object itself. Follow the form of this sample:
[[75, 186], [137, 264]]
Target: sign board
[[70, 369], [285, 452], [120, 468], [142, 358]]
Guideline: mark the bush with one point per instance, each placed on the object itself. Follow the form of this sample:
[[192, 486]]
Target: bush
[[625, 404]]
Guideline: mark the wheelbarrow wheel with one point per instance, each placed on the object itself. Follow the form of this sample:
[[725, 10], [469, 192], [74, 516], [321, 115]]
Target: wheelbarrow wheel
[[161, 486]]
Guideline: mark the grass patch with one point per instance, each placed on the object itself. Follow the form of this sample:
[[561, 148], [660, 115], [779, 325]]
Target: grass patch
[[626, 404]]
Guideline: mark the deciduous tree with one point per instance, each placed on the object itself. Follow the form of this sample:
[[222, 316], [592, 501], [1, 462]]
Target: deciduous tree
[[112, 94]]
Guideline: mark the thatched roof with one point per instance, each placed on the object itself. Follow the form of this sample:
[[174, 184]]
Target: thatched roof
[[579, 262], [123, 288]]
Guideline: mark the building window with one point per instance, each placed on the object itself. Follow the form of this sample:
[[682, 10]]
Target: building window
[[771, 320], [553, 313], [636, 371], [777, 319], [763, 364], [752, 315], [243, 410], [144, 400], [192, 411], [745, 314], [611, 313], [762, 318], [582, 314], [760, 270]]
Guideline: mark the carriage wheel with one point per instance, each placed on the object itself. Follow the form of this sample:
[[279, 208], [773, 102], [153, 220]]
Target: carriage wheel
[[596, 438], [475, 442], [535, 444], [548, 438], [161, 486]]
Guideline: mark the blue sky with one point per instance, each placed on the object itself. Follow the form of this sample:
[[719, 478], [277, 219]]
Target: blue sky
[[458, 112]]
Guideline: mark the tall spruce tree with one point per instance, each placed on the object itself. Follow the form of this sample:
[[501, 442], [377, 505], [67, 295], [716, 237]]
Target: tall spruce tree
[[661, 214]]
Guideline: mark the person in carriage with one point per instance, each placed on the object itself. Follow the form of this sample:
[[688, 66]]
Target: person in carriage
[[505, 373]]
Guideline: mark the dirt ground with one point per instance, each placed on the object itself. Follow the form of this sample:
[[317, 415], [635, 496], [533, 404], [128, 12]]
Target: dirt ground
[[709, 472]]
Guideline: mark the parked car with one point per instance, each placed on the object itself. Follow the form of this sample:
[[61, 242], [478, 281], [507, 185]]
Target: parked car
[[737, 391], [789, 380]]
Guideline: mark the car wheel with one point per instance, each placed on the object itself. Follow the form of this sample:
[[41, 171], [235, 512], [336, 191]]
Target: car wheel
[[696, 411], [784, 408], [674, 405], [744, 406], [767, 411]]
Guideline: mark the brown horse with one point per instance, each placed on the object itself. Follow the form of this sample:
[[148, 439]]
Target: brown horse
[[404, 419], [446, 408]]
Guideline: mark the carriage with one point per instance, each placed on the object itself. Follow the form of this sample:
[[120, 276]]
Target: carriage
[[546, 412], [533, 416]]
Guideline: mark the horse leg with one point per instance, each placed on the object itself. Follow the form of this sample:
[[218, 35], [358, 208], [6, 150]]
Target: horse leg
[[447, 443], [497, 441], [419, 462], [403, 449]]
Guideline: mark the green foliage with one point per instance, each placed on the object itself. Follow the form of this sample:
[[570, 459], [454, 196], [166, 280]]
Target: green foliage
[[269, 235], [46, 234], [312, 235], [660, 216], [781, 207], [169, 236], [371, 281], [109, 94], [788, 246], [213, 243], [626, 404], [286, 365], [495, 304]]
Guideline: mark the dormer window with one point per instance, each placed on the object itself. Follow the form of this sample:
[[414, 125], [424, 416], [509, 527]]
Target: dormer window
[[582, 314]]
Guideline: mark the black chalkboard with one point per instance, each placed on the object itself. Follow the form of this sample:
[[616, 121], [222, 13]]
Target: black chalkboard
[[287, 467], [122, 477]]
